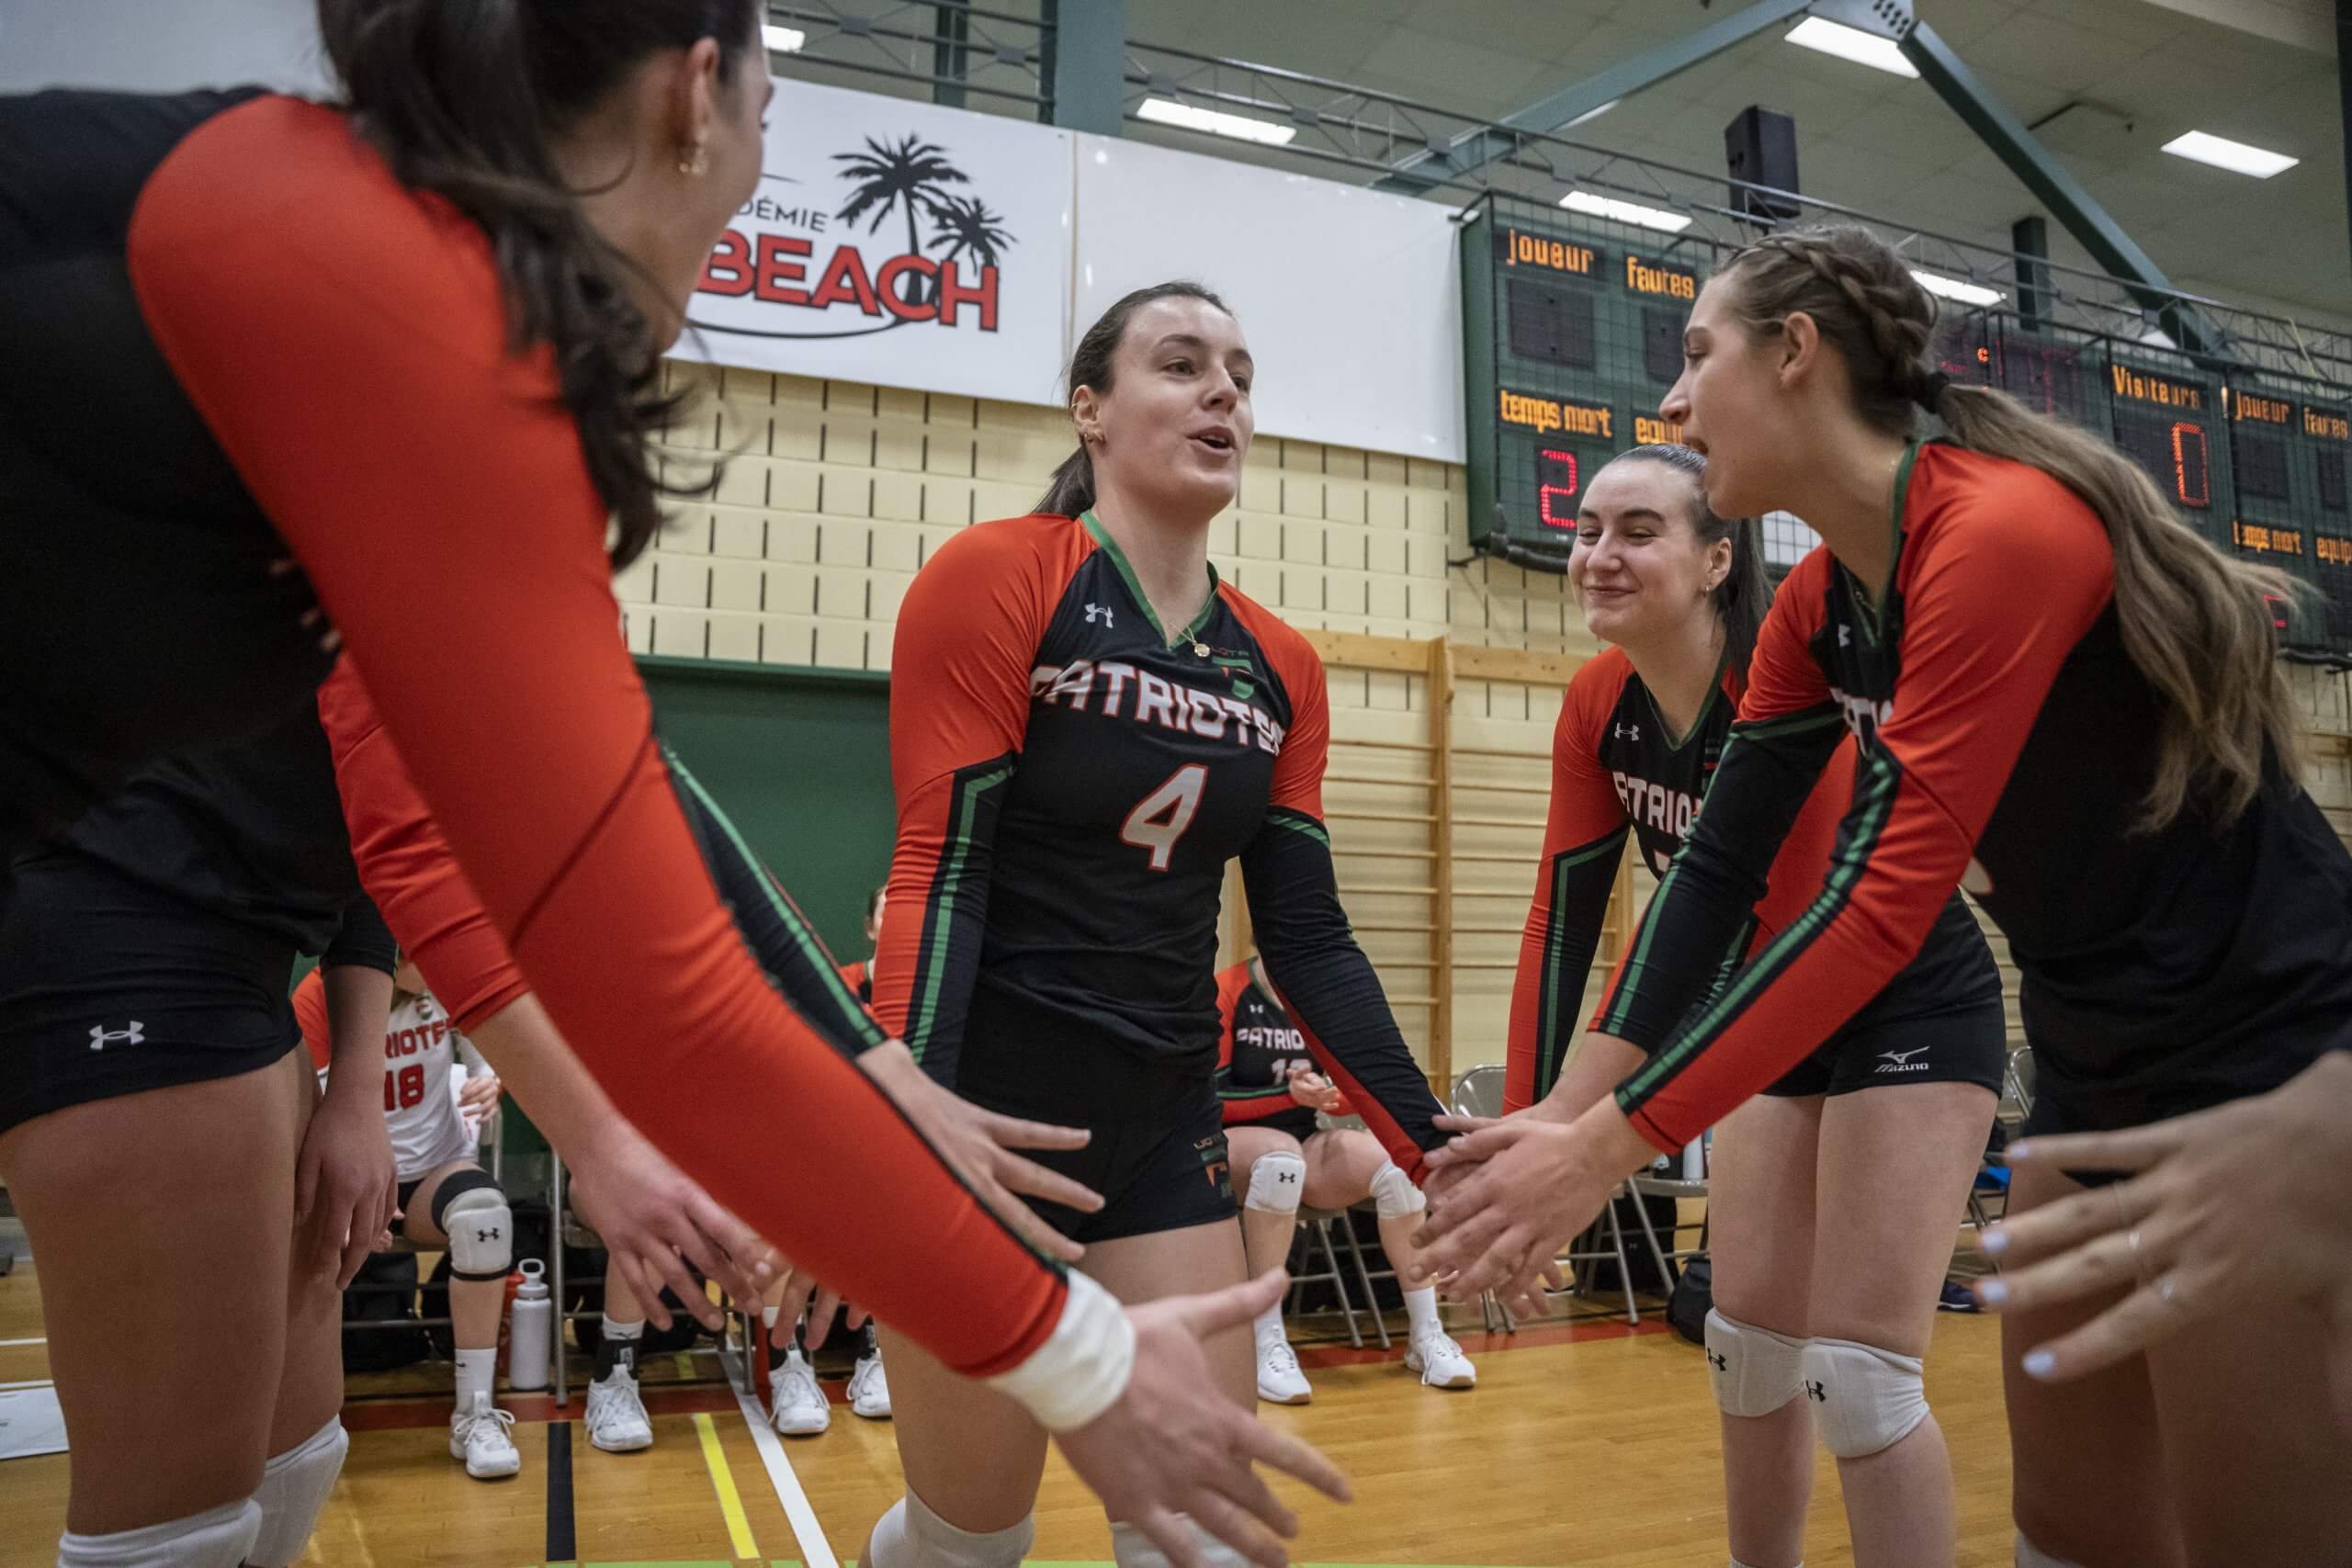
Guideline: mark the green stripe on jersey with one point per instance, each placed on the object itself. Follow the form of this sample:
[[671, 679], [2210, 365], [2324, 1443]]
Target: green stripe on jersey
[[861, 1023], [933, 960], [1556, 952]]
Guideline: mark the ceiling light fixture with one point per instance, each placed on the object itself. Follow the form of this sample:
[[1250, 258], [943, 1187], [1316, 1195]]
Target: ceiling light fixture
[[1958, 288], [783, 40], [1192, 117], [1594, 205], [1593, 114], [2234, 156], [1850, 44]]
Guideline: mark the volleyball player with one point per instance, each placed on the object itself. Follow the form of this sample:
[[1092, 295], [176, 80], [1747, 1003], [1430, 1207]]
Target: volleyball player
[[386, 341], [2068, 703], [1269, 1094], [859, 973], [1085, 727], [1832, 1196]]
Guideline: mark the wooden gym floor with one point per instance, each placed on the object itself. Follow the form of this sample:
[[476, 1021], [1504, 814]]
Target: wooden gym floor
[[1591, 1445]]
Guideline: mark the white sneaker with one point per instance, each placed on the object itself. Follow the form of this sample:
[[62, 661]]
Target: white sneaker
[[797, 1405], [1279, 1379], [617, 1420], [479, 1436], [1440, 1362], [869, 1389]]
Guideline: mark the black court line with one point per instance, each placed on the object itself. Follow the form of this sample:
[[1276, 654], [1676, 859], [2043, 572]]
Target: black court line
[[562, 1546]]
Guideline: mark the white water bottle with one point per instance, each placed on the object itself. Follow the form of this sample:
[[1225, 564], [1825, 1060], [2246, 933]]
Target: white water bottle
[[529, 1331]]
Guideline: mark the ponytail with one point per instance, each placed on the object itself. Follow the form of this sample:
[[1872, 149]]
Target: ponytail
[[2197, 624], [461, 98]]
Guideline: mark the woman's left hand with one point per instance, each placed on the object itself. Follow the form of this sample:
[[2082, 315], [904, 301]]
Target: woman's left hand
[[478, 1098], [344, 1185], [2248, 1200], [1508, 1195]]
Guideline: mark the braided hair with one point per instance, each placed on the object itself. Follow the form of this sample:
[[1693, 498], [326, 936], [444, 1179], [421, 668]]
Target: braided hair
[[2197, 624]]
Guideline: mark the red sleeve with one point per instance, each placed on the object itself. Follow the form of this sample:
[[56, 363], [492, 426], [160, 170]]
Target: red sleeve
[[310, 1012], [1978, 658], [967, 637], [1584, 840], [406, 866], [346, 340], [1306, 744], [854, 974]]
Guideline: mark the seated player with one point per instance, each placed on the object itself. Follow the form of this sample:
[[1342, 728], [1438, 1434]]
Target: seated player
[[796, 1407], [1282, 1156], [447, 1201]]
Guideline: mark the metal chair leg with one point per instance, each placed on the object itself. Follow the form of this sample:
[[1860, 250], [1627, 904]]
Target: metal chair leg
[[555, 1269], [1339, 1282], [1364, 1276], [1625, 1269]]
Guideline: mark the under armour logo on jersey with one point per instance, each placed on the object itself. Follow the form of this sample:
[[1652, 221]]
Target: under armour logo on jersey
[[1815, 1391], [1845, 636], [101, 1037], [1901, 1062], [1628, 732], [1102, 610]]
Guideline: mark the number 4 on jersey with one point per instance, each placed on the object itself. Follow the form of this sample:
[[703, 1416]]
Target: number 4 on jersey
[[1161, 817]]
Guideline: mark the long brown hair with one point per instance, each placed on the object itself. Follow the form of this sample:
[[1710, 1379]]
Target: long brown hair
[[462, 98], [1071, 490], [2194, 620], [1745, 595]]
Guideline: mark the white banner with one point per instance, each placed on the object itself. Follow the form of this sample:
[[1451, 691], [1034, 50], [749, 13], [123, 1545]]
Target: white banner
[[1350, 298], [897, 242]]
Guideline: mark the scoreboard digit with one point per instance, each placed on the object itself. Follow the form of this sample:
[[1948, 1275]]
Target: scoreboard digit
[[2161, 423]]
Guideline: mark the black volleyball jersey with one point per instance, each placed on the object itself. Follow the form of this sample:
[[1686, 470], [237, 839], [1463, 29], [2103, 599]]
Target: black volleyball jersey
[[1259, 1050], [1617, 768], [1071, 782], [2007, 739]]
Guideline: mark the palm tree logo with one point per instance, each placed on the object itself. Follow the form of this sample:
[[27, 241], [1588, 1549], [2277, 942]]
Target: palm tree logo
[[967, 228], [906, 177]]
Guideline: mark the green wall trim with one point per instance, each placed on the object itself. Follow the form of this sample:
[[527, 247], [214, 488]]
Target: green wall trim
[[744, 673]]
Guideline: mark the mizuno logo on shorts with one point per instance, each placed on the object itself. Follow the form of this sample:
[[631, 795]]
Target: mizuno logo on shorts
[[1901, 1062]]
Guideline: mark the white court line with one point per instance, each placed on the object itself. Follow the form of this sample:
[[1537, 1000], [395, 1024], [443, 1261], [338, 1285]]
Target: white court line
[[37, 1383], [814, 1550], [12, 1344]]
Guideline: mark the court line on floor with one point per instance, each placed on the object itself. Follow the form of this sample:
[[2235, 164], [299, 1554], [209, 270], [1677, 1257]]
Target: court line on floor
[[36, 1383], [563, 1542], [815, 1550], [13, 1344], [722, 1479]]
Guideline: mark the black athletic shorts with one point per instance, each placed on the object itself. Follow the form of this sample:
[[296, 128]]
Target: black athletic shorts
[[1963, 1045], [1158, 1155], [108, 986], [1298, 1122]]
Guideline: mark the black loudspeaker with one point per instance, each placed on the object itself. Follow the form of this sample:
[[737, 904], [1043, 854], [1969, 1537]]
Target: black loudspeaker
[[1761, 147]]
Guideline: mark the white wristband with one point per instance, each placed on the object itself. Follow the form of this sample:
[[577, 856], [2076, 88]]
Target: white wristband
[[1082, 1369]]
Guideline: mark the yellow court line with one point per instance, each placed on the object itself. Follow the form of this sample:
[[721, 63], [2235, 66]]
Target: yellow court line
[[730, 1502]]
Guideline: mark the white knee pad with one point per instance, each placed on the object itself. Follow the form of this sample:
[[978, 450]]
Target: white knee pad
[[218, 1537], [1277, 1182], [1394, 1194], [911, 1536], [480, 1230], [1754, 1371], [1865, 1399], [1130, 1548], [2033, 1556], [294, 1488]]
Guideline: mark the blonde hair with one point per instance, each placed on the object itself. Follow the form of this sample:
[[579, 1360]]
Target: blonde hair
[[2194, 620]]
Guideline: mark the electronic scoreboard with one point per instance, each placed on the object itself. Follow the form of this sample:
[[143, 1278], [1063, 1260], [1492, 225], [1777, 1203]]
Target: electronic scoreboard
[[1574, 335]]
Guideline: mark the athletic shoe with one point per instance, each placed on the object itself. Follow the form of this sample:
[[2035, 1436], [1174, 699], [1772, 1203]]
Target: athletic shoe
[[1440, 1362], [1957, 1297], [869, 1389], [797, 1405], [617, 1420], [479, 1436], [1279, 1379]]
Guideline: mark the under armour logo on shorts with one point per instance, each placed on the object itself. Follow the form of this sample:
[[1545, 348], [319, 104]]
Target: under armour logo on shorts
[[101, 1037]]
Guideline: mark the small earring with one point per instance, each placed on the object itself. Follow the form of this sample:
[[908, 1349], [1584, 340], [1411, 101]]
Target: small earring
[[695, 162]]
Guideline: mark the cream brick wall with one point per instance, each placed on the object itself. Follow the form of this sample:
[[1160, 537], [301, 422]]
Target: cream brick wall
[[835, 494]]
